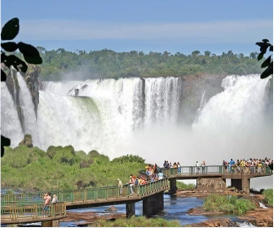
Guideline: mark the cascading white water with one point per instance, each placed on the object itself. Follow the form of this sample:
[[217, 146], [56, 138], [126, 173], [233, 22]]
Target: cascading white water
[[139, 116], [123, 106], [27, 107], [10, 124], [67, 120]]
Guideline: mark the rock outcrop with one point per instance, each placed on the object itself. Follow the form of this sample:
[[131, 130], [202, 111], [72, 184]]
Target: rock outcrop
[[27, 141], [193, 88]]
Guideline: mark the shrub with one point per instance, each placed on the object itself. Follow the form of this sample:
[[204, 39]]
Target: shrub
[[229, 204], [128, 158], [268, 193]]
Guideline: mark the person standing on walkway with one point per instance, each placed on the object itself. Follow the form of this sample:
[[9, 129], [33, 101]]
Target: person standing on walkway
[[179, 167], [131, 183], [197, 167], [203, 166], [47, 199], [120, 186], [54, 199]]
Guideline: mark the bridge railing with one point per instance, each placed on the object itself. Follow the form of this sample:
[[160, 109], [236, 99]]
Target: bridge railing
[[32, 211], [93, 194], [215, 169], [263, 170], [193, 170]]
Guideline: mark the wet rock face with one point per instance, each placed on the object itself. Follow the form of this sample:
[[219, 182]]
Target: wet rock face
[[27, 141], [31, 78], [193, 88]]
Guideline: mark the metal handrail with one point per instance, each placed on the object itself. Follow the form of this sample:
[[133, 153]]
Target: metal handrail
[[34, 211], [214, 169], [93, 194], [112, 192]]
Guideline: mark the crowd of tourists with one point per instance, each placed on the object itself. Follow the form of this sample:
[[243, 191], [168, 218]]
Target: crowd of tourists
[[152, 173], [251, 165]]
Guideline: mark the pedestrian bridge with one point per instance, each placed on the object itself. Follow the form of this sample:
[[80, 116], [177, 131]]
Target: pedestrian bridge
[[27, 207]]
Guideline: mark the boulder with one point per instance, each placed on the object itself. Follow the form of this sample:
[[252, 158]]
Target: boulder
[[111, 209]]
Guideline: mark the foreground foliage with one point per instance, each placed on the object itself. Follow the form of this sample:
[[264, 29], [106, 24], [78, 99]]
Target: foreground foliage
[[268, 193], [62, 168], [229, 204], [137, 222]]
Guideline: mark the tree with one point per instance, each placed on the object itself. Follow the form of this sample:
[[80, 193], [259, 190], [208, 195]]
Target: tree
[[30, 54], [268, 63], [195, 53]]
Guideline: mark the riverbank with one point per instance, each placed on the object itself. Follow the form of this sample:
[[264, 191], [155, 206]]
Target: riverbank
[[259, 217], [86, 218], [186, 206]]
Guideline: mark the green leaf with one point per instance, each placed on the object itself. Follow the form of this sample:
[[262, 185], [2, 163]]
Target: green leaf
[[260, 56], [4, 142], [267, 72], [271, 48], [9, 46], [265, 40], [17, 63], [30, 53], [266, 62], [3, 76], [10, 29]]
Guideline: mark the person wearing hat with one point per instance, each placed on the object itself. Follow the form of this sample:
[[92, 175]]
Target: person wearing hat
[[120, 186]]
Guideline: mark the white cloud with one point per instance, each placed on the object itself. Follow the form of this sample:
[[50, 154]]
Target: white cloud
[[218, 31]]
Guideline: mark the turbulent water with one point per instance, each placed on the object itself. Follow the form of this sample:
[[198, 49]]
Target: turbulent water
[[142, 116]]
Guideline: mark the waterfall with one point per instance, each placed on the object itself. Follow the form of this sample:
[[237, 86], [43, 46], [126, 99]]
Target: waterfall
[[27, 107], [10, 123], [105, 113], [141, 116], [262, 205], [234, 120]]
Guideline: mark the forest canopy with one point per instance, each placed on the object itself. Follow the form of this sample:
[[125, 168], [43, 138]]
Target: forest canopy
[[64, 65]]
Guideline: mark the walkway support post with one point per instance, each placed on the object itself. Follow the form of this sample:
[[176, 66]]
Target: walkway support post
[[172, 186], [241, 184], [153, 204], [130, 209]]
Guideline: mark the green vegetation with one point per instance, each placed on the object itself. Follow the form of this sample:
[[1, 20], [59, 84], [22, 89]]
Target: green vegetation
[[63, 168], [183, 186], [137, 222], [61, 64], [229, 204], [268, 193]]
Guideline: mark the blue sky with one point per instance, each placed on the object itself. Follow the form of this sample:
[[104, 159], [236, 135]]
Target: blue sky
[[143, 25]]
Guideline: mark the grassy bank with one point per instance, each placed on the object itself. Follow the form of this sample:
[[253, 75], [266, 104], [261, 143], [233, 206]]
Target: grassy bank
[[137, 222], [228, 204], [183, 186]]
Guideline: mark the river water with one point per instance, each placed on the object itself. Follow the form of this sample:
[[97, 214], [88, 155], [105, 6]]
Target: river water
[[175, 208]]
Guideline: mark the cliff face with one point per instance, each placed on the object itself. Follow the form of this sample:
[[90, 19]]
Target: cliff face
[[31, 78], [193, 88]]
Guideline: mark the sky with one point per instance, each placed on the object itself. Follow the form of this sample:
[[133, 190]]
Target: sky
[[143, 25]]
